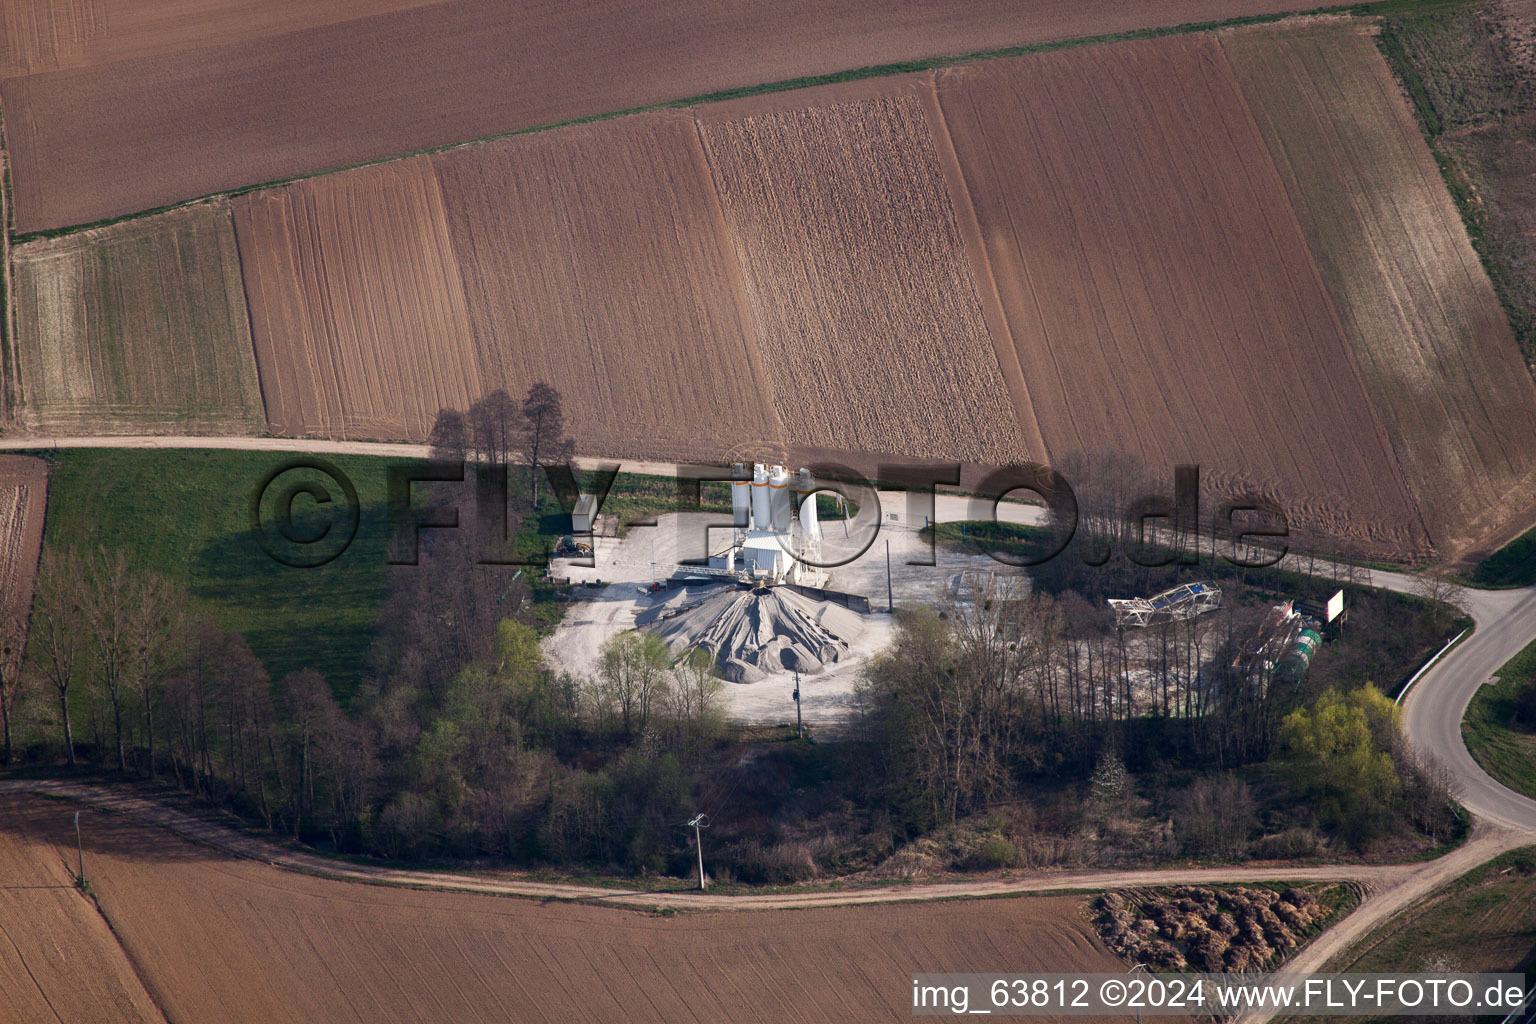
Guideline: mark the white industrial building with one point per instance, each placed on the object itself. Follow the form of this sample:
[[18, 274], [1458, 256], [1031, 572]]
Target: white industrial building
[[777, 535]]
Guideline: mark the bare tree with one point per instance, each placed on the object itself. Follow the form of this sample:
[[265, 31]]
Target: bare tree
[[694, 697], [547, 443], [157, 623], [12, 642], [1445, 596], [311, 712], [108, 621], [57, 624]]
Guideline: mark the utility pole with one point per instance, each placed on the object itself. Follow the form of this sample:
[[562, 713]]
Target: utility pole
[[1133, 970], [890, 599], [699, 821], [79, 851], [799, 725]]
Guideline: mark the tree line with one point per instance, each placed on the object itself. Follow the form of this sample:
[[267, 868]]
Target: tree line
[[977, 701]]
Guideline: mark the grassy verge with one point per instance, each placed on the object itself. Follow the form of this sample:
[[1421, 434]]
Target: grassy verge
[[1513, 565], [1483, 921], [186, 514], [1505, 749], [1453, 81]]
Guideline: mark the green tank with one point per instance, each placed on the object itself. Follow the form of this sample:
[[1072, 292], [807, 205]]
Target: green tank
[[1295, 662]]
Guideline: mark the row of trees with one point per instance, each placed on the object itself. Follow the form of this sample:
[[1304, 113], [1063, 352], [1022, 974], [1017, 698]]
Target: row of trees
[[972, 694], [973, 701], [461, 740], [500, 431]]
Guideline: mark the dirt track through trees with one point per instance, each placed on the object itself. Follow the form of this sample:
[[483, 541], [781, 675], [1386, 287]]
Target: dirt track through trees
[[357, 304], [140, 327], [1439, 362], [219, 938], [208, 99]]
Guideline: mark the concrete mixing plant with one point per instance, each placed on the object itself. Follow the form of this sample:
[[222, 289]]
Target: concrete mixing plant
[[777, 536]]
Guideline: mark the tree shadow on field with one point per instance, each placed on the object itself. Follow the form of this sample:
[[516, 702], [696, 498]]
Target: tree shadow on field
[[32, 819], [293, 616]]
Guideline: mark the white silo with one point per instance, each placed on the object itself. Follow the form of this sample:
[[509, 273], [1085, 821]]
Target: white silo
[[741, 495], [778, 494], [805, 493], [761, 516]]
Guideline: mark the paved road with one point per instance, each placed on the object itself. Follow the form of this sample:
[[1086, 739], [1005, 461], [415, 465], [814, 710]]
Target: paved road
[[1506, 620], [1505, 624]]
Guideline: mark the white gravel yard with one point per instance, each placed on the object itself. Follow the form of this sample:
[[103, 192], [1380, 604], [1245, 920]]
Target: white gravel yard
[[649, 553]]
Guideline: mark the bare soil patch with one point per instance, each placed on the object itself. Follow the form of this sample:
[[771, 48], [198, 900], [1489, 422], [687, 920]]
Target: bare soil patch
[[1159, 294], [136, 328], [595, 257], [50, 35], [23, 499], [171, 101], [58, 958], [856, 273], [1439, 362], [357, 305], [236, 940]]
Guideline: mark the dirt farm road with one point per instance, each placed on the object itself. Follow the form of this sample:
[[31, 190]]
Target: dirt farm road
[[1505, 624], [231, 840]]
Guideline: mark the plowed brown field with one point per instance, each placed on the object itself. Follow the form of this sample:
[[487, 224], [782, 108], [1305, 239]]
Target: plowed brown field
[[356, 303], [1439, 361], [58, 959], [857, 277], [23, 498], [182, 100], [595, 257], [237, 941], [140, 327], [48, 35], [1160, 296]]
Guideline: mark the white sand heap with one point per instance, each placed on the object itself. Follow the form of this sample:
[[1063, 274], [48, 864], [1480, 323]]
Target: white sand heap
[[753, 632]]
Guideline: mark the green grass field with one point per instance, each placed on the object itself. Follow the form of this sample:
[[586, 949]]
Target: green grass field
[[1513, 565], [1504, 749], [1483, 921], [186, 514]]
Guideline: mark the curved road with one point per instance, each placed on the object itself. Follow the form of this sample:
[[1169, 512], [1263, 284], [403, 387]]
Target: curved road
[[1432, 711], [1433, 708], [1506, 620]]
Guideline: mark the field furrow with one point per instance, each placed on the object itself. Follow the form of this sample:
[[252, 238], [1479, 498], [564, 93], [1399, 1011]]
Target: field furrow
[[864, 303], [1160, 296], [357, 305], [595, 258], [136, 104], [136, 328], [240, 941], [23, 499], [1437, 356]]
